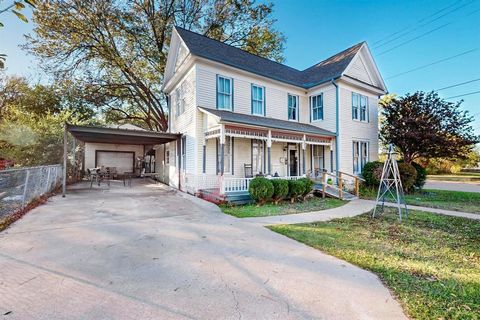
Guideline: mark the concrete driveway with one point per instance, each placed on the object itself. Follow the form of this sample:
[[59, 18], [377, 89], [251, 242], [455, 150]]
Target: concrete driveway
[[153, 253]]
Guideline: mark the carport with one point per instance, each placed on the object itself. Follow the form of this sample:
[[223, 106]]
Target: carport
[[113, 136]]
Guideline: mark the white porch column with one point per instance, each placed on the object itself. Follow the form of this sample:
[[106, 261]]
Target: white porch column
[[222, 149], [204, 155], [304, 145], [269, 153]]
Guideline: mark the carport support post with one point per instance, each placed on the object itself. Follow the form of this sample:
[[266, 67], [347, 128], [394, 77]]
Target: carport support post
[[65, 146], [269, 153]]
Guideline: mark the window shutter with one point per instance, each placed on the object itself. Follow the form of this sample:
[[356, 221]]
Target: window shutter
[[310, 101], [233, 108], [216, 92]]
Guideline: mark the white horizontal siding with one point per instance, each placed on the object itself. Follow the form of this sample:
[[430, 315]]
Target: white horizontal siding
[[354, 130]]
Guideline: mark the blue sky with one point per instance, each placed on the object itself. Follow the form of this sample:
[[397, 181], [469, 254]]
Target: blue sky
[[424, 31]]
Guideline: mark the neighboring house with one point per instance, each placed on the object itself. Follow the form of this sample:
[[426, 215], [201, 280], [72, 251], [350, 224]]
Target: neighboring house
[[242, 115]]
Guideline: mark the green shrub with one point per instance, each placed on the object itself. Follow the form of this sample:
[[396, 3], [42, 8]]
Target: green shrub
[[280, 189], [307, 186], [295, 189], [408, 175], [372, 173], [421, 175], [261, 189]]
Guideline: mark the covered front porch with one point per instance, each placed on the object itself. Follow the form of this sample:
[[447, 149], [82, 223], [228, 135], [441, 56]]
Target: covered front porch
[[238, 147]]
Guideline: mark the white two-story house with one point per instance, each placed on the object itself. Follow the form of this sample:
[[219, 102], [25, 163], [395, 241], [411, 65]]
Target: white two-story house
[[241, 115]]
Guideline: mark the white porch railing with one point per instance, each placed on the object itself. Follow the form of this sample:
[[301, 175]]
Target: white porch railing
[[193, 183], [242, 184]]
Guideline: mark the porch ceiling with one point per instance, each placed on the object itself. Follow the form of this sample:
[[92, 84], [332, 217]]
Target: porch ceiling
[[265, 122], [120, 136]]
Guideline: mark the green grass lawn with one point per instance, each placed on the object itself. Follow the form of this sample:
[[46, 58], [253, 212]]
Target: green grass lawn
[[441, 199], [430, 262], [270, 209]]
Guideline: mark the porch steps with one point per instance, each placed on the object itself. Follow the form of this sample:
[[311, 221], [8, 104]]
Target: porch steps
[[211, 195], [332, 191]]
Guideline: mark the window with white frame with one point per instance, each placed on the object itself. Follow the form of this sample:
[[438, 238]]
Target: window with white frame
[[184, 153], [360, 156], [316, 107], [257, 156], [292, 107], [227, 155], [224, 93], [318, 157], [363, 108], [258, 100], [359, 107]]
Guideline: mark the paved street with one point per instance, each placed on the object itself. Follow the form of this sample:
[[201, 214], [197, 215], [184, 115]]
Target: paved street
[[453, 186], [152, 253]]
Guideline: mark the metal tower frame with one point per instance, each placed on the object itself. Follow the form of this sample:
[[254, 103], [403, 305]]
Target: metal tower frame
[[391, 184]]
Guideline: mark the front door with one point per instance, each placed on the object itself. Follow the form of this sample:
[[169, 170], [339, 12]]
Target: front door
[[292, 162]]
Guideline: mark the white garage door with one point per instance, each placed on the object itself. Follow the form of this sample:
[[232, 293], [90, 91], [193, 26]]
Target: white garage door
[[123, 161]]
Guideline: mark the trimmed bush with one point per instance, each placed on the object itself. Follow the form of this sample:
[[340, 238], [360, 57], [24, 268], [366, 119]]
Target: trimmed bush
[[261, 189], [408, 175], [372, 173], [280, 189], [308, 186], [421, 175], [295, 189]]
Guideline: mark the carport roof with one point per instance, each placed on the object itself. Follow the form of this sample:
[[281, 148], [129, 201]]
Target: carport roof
[[120, 136]]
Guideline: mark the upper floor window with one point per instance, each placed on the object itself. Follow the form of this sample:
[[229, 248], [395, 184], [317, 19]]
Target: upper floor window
[[292, 107], [359, 107], [316, 107], [360, 156], [224, 93], [258, 100]]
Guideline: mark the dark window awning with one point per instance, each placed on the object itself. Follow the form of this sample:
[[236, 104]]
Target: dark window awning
[[120, 136]]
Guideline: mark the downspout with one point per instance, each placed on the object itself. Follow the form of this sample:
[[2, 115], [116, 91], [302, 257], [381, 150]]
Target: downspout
[[337, 126]]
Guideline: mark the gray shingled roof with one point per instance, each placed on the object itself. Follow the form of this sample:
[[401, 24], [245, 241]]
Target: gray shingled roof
[[323, 71], [229, 116]]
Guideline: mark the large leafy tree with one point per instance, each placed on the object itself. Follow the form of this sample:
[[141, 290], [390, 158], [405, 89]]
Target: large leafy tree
[[120, 48], [32, 118], [422, 125]]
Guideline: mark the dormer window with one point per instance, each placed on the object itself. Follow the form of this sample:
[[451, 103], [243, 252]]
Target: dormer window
[[224, 93]]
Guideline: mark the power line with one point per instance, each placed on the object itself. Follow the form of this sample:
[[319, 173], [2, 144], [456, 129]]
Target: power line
[[406, 32], [426, 33], [457, 84], [423, 19], [432, 63], [415, 38], [462, 95]]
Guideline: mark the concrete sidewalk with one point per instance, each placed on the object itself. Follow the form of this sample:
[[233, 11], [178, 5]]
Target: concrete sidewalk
[[152, 253], [351, 209]]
